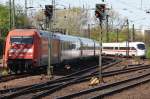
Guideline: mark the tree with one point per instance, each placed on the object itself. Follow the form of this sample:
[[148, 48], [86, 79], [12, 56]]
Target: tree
[[4, 19], [38, 19], [21, 19], [115, 21], [72, 20]]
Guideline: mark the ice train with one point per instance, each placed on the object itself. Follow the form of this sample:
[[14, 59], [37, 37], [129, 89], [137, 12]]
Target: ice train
[[124, 49]]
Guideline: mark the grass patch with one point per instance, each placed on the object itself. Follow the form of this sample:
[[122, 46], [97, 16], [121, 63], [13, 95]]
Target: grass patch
[[148, 53]]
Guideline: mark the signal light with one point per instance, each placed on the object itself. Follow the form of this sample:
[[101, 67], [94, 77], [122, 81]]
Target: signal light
[[97, 14], [100, 11], [48, 11]]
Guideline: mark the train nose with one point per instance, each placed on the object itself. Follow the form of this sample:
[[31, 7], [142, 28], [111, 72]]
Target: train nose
[[142, 53]]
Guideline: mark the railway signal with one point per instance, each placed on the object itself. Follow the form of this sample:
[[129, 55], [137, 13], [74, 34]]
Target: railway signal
[[100, 11], [100, 14], [48, 11], [49, 14]]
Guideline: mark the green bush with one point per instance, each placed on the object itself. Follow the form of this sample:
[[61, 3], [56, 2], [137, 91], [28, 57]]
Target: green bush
[[148, 53]]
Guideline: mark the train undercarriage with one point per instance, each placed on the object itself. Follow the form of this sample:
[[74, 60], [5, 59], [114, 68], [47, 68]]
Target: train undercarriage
[[20, 65]]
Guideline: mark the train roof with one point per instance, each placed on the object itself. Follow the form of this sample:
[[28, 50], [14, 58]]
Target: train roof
[[67, 37], [70, 38], [74, 38], [56, 35], [26, 32]]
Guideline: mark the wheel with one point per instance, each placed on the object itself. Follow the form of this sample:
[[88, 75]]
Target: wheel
[[13, 69]]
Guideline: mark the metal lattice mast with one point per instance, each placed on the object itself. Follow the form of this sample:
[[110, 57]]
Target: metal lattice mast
[[10, 14], [25, 7], [100, 54], [50, 67], [13, 13]]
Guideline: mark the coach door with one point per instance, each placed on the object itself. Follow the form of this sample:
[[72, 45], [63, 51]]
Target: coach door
[[55, 52]]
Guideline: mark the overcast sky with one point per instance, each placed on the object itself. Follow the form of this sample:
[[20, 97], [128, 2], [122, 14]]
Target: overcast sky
[[126, 8]]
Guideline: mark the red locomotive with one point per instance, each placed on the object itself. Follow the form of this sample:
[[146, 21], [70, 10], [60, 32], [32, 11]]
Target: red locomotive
[[22, 49]]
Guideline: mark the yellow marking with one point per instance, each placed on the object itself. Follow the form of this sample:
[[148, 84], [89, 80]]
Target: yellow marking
[[95, 81], [4, 72]]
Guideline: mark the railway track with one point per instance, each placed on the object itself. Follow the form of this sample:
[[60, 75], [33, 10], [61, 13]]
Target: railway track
[[107, 89], [88, 77], [51, 84], [57, 86], [22, 75], [100, 91], [139, 79], [12, 77], [17, 76]]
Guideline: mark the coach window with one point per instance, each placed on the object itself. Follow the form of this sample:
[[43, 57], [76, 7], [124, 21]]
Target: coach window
[[109, 48], [72, 46], [96, 47], [86, 47], [116, 48], [83, 47], [91, 47], [132, 48], [123, 48], [104, 47], [65, 45]]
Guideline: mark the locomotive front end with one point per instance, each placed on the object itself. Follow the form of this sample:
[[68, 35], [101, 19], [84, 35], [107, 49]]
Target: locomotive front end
[[21, 50], [141, 50], [20, 53]]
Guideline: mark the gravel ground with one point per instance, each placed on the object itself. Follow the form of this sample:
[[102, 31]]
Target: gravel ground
[[85, 85], [23, 81], [140, 92]]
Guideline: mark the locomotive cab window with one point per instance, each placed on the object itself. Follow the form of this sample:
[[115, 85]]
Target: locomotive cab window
[[72, 46], [21, 40], [141, 46]]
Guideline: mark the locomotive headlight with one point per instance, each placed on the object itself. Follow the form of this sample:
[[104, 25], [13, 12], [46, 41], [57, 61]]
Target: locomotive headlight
[[12, 50], [10, 54], [28, 50]]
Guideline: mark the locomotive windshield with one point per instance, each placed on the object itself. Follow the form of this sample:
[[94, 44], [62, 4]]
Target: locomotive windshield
[[141, 46], [22, 39]]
